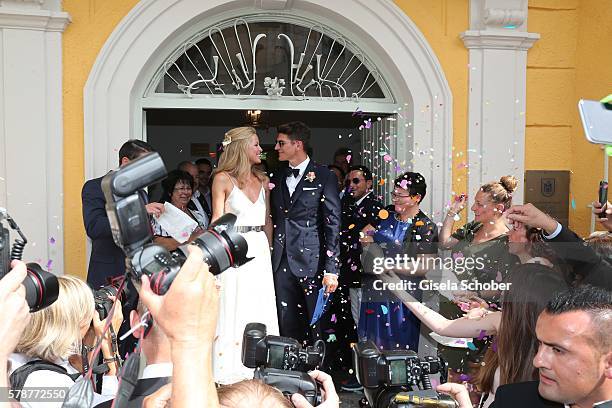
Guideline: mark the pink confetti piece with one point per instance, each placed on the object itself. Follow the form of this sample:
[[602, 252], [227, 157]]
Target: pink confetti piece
[[499, 277], [348, 158], [333, 318], [404, 184], [330, 253], [387, 158], [271, 186]]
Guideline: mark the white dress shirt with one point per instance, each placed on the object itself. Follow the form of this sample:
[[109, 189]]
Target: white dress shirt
[[292, 182], [159, 370]]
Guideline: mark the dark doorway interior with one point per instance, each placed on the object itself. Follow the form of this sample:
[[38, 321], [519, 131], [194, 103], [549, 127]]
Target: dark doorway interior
[[185, 134]]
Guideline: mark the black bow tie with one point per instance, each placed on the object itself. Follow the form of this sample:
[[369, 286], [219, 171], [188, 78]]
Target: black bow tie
[[294, 172]]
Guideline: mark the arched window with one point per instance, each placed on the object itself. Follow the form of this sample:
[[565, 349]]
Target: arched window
[[264, 56]]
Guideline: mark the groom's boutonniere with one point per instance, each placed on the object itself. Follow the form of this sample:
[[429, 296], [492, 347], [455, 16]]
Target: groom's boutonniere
[[311, 176]]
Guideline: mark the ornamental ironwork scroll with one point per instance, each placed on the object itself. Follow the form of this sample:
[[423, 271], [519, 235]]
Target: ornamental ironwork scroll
[[282, 60]]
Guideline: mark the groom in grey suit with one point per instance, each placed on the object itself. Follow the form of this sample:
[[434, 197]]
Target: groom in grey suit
[[305, 210]]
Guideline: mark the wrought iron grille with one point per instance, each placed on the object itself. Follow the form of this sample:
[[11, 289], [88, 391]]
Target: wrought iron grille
[[277, 59]]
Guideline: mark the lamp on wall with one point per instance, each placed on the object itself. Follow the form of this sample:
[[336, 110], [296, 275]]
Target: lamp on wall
[[254, 117]]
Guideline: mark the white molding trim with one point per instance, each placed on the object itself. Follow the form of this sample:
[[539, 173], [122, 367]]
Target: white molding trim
[[499, 40], [34, 19], [152, 29], [31, 120], [497, 97]]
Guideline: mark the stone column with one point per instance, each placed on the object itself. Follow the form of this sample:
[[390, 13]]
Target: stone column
[[498, 42], [31, 133]]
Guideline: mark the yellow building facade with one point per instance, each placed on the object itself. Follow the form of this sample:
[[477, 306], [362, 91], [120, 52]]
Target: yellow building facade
[[566, 63]]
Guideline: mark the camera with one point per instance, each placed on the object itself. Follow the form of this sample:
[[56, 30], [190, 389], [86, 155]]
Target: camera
[[398, 378], [282, 362], [102, 299], [42, 287], [284, 353], [223, 247]]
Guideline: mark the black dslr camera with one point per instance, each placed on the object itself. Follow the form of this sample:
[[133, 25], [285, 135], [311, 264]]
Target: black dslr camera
[[42, 287], [282, 362], [399, 378], [222, 245]]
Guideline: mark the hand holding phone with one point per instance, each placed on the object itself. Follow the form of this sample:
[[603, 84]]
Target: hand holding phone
[[603, 197]]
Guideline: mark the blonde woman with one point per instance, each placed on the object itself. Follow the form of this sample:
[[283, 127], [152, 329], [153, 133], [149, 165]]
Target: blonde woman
[[247, 293], [55, 334]]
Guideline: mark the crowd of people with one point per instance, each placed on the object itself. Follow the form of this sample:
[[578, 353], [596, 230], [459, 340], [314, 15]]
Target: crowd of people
[[543, 339]]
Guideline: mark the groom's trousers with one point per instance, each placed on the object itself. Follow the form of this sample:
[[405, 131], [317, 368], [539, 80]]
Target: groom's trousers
[[296, 299]]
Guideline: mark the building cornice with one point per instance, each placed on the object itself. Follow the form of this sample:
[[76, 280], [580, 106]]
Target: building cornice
[[29, 19], [499, 39]]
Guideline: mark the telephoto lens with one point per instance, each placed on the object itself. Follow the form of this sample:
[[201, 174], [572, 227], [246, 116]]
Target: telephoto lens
[[222, 245]]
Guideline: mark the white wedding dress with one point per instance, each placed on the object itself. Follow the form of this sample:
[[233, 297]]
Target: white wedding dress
[[247, 293]]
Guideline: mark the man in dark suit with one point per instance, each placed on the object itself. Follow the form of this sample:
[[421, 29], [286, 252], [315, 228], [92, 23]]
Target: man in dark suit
[[575, 354], [359, 208], [574, 358], [205, 169], [107, 259], [306, 215]]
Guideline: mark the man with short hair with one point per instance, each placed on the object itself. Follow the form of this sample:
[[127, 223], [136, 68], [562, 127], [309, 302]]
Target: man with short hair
[[306, 215], [107, 259], [359, 208], [205, 169], [575, 354], [156, 350]]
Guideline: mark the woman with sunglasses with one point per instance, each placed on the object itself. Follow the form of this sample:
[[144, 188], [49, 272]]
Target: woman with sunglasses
[[405, 230]]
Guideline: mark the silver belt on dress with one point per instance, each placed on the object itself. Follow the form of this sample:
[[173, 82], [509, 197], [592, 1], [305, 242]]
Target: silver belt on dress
[[249, 228]]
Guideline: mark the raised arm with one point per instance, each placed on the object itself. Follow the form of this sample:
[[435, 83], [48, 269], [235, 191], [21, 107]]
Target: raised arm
[[462, 327], [446, 240]]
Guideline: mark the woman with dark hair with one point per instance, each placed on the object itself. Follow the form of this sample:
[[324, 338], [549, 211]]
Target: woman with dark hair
[[405, 231], [177, 190], [510, 358]]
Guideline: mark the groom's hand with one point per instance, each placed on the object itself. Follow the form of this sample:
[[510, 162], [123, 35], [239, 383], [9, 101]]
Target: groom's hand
[[330, 282]]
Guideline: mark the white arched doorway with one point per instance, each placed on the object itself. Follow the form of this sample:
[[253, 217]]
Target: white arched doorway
[[115, 90]]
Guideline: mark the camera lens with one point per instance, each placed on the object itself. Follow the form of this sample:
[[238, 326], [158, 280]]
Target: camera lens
[[42, 287], [223, 247]]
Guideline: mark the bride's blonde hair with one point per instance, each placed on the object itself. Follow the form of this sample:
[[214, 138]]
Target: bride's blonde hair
[[234, 160]]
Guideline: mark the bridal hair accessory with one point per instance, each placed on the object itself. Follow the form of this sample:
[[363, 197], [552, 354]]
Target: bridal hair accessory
[[227, 140]]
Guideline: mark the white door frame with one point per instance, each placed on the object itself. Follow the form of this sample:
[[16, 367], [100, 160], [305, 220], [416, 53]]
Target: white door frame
[[117, 82]]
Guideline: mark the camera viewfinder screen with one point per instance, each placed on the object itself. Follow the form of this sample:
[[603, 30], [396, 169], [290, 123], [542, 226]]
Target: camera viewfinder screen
[[398, 372], [276, 356]]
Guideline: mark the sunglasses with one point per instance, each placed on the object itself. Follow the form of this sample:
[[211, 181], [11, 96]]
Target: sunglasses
[[352, 181]]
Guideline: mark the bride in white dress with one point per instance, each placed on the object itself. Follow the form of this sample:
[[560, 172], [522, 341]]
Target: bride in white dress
[[247, 293]]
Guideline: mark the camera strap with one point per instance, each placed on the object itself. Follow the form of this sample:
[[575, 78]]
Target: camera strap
[[19, 377]]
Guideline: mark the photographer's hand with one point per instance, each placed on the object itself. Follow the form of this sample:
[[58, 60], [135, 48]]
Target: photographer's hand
[[107, 345], [15, 314], [155, 209], [330, 397], [606, 222], [187, 314], [458, 392]]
